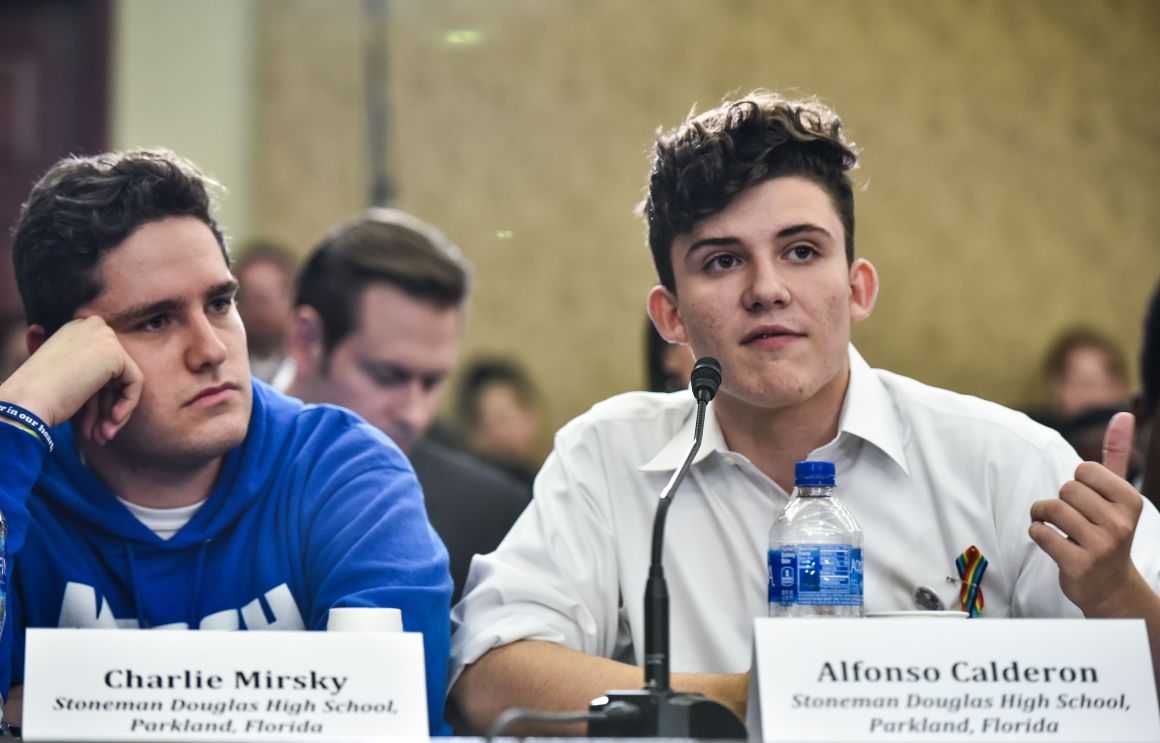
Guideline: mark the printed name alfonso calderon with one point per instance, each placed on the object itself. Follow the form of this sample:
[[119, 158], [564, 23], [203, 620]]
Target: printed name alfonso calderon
[[993, 672]]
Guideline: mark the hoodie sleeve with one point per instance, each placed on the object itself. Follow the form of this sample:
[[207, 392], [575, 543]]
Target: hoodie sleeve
[[370, 544], [23, 458]]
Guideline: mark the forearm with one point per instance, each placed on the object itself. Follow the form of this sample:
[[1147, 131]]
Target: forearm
[[551, 678], [1136, 601], [535, 675], [14, 706]]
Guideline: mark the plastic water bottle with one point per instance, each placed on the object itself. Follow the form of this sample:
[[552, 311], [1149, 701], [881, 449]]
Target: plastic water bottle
[[815, 551]]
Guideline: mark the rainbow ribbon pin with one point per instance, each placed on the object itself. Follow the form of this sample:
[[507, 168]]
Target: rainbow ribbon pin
[[971, 565]]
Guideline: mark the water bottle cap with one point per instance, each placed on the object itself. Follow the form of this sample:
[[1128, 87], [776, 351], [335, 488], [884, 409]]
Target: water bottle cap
[[814, 473]]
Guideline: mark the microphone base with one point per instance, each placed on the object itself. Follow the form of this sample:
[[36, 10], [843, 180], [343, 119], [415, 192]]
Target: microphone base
[[666, 715]]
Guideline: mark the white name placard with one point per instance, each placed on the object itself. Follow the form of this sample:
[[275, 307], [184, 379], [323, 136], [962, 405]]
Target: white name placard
[[1058, 680], [152, 685]]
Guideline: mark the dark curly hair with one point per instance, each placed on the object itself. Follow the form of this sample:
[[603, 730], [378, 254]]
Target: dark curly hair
[[700, 166], [85, 206]]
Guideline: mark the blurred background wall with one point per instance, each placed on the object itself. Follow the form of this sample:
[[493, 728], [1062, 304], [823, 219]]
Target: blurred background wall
[[1010, 173]]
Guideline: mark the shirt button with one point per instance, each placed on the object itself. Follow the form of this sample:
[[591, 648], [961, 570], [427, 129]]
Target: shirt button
[[731, 461]]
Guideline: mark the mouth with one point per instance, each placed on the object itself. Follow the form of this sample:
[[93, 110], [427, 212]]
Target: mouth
[[770, 334], [213, 395]]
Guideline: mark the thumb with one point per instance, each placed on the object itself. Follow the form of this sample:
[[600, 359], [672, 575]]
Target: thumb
[[1118, 443]]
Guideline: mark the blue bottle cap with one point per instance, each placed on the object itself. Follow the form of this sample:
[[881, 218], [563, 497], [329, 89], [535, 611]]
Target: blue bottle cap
[[813, 473]]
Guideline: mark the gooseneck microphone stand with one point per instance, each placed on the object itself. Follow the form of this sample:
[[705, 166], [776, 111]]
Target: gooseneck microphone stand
[[663, 712]]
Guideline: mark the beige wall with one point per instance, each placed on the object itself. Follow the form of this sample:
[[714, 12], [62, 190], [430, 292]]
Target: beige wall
[[183, 79], [1011, 160]]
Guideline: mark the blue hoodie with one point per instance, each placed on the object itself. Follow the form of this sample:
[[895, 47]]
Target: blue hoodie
[[314, 509]]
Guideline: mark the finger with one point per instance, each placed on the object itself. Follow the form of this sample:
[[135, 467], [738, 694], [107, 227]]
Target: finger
[[1057, 546], [1067, 519], [86, 419], [1118, 443], [131, 387], [1109, 486], [1089, 502]]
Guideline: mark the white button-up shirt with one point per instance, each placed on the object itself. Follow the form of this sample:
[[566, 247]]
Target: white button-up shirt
[[926, 472]]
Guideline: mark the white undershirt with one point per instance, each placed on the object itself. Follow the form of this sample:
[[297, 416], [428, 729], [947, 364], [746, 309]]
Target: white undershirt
[[164, 522]]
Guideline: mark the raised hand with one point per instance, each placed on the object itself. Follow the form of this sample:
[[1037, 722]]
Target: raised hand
[[80, 368], [1097, 511]]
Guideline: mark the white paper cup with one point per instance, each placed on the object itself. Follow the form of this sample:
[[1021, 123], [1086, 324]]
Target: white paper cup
[[919, 614], [364, 619]]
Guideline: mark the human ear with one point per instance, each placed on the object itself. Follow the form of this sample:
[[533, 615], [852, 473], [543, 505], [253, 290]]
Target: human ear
[[35, 338], [306, 341], [662, 309], [863, 289]]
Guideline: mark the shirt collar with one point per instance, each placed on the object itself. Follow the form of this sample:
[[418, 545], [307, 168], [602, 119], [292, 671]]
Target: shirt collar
[[674, 452], [867, 412]]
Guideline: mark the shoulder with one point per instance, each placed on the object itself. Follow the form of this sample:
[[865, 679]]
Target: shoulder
[[442, 469], [651, 415], [929, 410], [314, 435], [620, 435]]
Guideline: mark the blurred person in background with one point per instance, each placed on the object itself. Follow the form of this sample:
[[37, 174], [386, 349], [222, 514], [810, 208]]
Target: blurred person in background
[[668, 365], [1084, 370], [378, 318], [499, 408], [1147, 403], [265, 274], [1086, 380]]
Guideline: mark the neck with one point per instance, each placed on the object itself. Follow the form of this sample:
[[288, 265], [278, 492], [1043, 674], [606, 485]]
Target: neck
[[774, 439], [157, 485]]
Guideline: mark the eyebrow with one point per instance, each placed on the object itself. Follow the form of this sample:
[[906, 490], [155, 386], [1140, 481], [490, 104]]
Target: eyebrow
[[792, 230], [165, 306]]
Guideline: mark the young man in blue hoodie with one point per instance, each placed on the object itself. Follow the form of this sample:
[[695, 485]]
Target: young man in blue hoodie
[[149, 481]]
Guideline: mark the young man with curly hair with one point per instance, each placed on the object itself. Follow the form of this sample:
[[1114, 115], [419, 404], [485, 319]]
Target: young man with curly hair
[[750, 213], [150, 482]]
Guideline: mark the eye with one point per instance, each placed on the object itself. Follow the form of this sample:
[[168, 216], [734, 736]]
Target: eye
[[431, 381], [221, 305], [384, 376], [721, 262], [802, 252], [154, 324]]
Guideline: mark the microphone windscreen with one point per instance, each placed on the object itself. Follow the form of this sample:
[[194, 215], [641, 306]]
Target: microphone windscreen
[[706, 377]]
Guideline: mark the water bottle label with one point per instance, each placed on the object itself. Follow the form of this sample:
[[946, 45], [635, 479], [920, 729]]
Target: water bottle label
[[774, 576], [817, 575]]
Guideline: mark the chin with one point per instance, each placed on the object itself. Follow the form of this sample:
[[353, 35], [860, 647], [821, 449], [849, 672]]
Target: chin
[[210, 443]]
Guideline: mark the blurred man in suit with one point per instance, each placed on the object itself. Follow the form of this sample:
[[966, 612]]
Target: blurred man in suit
[[378, 319]]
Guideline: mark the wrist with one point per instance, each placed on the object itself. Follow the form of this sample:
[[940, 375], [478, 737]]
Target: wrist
[[1128, 599], [21, 396], [26, 421]]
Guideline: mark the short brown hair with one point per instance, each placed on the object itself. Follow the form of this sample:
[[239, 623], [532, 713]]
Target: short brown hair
[[700, 166], [384, 245]]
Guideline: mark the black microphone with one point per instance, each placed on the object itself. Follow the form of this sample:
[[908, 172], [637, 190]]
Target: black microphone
[[664, 713]]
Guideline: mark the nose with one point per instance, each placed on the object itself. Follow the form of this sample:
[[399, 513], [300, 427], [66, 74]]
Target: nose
[[205, 347], [766, 287], [413, 407]]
